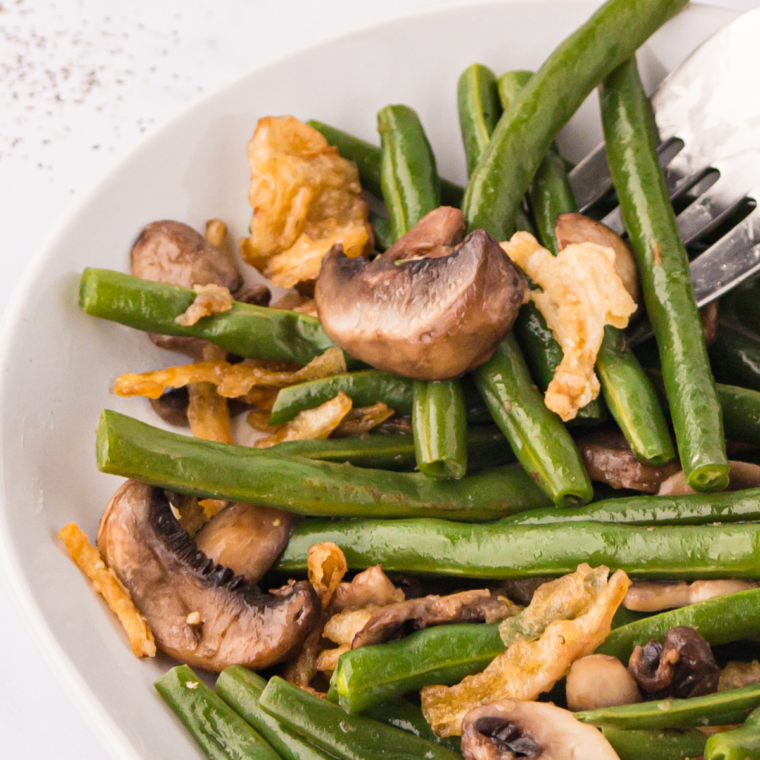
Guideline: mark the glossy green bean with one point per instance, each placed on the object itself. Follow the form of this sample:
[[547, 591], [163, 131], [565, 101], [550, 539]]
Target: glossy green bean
[[721, 709], [207, 469], [252, 331], [445, 654], [479, 110], [735, 358], [346, 737], [537, 436], [498, 550], [219, 731], [720, 620], [656, 745], [408, 717], [510, 86], [528, 127], [740, 744], [367, 158], [550, 196], [241, 690], [663, 268], [365, 388], [381, 226]]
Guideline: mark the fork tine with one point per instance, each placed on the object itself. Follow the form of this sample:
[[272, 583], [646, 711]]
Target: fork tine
[[699, 217], [729, 262], [590, 179]]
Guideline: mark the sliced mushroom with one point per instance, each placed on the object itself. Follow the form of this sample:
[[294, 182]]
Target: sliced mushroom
[[171, 405], [512, 729], [200, 612], [710, 315], [741, 475], [578, 228], [651, 596], [600, 681], [682, 667], [608, 459], [430, 307], [246, 538], [467, 606], [521, 591]]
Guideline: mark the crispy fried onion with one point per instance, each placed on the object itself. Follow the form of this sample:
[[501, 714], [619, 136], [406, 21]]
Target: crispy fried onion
[[580, 292], [208, 413], [737, 675], [231, 380], [528, 667], [210, 299], [362, 419], [310, 424], [305, 199], [105, 582]]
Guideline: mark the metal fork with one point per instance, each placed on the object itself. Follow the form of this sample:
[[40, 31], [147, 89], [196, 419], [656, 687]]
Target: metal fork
[[708, 116]]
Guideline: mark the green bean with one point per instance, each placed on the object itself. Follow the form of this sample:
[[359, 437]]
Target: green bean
[[656, 745], [479, 110], [721, 709], [241, 690], [381, 226], [365, 388], [663, 268], [367, 158], [252, 331], [219, 731], [443, 654], [528, 127], [347, 737], [207, 469], [538, 438], [408, 717], [510, 86], [720, 620], [498, 550], [740, 744], [440, 429], [735, 358], [550, 196]]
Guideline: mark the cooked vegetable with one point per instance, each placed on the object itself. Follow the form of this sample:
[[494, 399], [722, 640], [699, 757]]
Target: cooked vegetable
[[367, 158], [253, 331], [526, 130], [741, 476], [656, 597], [208, 413], [537, 437], [306, 198], [408, 717], [664, 271], [106, 583], [214, 470], [656, 745], [599, 681], [724, 708], [735, 358], [209, 299], [199, 612], [737, 675], [740, 744], [431, 307], [479, 110], [535, 659], [345, 736], [502, 550], [219, 731], [719, 620], [551, 197], [512, 728]]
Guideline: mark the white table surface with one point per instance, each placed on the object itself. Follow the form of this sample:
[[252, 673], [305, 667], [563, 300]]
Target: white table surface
[[80, 82]]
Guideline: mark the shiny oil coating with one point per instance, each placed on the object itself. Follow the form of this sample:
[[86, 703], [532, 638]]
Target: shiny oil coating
[[220, 732], [179, 463], [479, 110], [720, 620], [663, 268], [526, 130], [538, 438], [496, 550], [347, 737], [256, 332]]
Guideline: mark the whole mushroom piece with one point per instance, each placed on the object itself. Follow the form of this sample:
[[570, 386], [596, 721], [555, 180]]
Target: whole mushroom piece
[[431, 307], [600, 681], [200, 612], [511, 729]]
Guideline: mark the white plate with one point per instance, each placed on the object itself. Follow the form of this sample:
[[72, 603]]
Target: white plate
[[58, 364]]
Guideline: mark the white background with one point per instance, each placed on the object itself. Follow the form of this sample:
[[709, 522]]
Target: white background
[[80, 82]]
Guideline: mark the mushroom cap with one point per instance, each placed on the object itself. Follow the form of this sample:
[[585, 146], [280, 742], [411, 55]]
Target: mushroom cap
[[511, 729], [431, 317], [600, 680], [170, 579]]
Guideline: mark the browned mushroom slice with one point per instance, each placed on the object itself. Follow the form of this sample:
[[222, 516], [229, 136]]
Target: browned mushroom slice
[[512, 729], [171, 406], [600, 681], [200, 612], [465, 607], [246, 538], [682, 667], [653, 596], [608, 459], [740, 476], [430, 307]]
